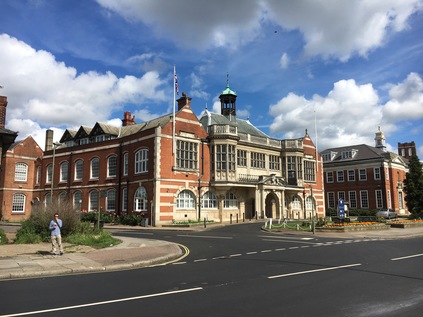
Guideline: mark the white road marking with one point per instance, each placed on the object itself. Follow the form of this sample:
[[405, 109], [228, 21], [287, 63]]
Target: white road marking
[[281, 249], [254, 252], [200, 260], [265, 251], [207, 237], [234, 255], [407, 257], [104, 302], [314, 271], [176, 263], [294, 241]]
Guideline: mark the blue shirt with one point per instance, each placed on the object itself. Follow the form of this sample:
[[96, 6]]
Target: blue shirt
[[55, 231]]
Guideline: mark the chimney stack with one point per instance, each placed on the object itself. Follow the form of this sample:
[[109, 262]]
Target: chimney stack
[[127, 119], [49, 140], [3, 105], [184, 101]]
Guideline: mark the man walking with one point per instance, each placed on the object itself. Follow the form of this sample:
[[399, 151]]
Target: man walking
[[56, 238]]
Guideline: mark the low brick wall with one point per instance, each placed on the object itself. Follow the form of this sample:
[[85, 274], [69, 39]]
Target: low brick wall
[[407, 225], [352, 228]]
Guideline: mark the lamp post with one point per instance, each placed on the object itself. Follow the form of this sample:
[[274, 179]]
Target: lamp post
[[312, 209], [304, 201], [55, 144]]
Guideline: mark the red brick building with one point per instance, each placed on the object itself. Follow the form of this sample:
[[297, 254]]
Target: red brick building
[[178, 167], [365, 177]]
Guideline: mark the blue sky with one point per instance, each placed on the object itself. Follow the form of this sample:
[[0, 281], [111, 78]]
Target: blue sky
[[350, 66]]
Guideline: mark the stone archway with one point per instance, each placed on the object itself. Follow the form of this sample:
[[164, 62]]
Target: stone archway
[[272, 208]]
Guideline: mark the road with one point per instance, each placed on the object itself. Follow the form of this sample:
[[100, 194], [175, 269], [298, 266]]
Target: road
[[240, 271]]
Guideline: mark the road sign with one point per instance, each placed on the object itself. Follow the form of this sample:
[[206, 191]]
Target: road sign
[[341, 208]]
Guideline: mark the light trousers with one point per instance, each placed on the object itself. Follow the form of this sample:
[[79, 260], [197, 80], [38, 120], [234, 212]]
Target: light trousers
[[56, 243]]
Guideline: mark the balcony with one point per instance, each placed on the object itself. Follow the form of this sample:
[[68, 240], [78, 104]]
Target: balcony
[[292, 145], [223, 131]]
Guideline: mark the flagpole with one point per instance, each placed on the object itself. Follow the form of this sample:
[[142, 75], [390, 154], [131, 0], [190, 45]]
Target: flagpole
[[174, 106], [315, 134]]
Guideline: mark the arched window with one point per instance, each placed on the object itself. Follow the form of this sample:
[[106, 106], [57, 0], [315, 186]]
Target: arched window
[[47, 199], [140, 199], [230, 201], [185, 200], [77, 200], [79, 165], [125, 199], [21, 172], [64, 172], [125, 163], [209, 200], [49, 173], [296, 203], [95, 167], [111, 200], [93, 203], [18, 204], [111, 166], [63, 197], [141, 160], [309, 203], [38, 179]]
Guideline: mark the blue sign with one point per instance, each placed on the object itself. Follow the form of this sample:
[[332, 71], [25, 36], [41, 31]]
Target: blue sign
[[341, 208]]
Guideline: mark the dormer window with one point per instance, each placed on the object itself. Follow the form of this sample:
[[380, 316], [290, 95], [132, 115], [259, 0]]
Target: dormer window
[[349, 154], [327, 157]]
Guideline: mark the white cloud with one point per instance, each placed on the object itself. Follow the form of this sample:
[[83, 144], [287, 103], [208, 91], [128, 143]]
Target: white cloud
[[361, 26], [195, 24], [347, 115], [284, 61], [53, 94], [406, 99]]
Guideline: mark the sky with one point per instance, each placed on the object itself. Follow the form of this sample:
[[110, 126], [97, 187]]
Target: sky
[[338, 68]]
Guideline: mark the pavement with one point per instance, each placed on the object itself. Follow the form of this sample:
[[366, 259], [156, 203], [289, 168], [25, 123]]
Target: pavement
[[34, 260]]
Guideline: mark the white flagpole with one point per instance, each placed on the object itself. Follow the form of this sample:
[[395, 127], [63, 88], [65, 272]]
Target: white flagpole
[[315, 134], [174, 106]]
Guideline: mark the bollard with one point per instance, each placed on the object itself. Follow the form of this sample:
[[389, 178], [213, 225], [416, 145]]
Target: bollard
[[298, 226], [236, 218], [205, 222], [230, 221], [243, 217]]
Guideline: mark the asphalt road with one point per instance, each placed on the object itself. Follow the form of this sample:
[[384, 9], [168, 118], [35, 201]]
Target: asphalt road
[[240, 271]]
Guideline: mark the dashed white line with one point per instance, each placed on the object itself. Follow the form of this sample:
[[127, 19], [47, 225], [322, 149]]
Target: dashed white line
[[254, 252], [234, 255], [200, 260], [407, 257], [280, 249], [314, 271], [265, 251]]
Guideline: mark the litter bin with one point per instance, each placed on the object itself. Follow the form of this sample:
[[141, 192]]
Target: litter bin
[[144, 222]]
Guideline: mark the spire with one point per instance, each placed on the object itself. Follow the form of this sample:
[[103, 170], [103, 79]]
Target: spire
[[228, 102], [380, 140]]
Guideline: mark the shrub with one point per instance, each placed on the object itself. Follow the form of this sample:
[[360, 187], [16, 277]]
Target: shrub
[[3, 238], [36, 228]]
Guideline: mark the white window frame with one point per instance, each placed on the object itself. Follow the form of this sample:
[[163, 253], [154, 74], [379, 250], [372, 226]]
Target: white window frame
[[64, 171], [230, 201], [18, 203], [94, 168], [125, 163], [140, 199], [21, 172], [209, 200], [111, 200], [141, 161], [112, 166], [185, 200], [79, 170]]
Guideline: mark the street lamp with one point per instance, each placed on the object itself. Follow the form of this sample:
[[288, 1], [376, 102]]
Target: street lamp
[[55, 144], [312, 209]]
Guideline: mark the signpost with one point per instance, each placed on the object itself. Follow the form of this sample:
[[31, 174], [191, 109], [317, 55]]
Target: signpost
[[341, 209]]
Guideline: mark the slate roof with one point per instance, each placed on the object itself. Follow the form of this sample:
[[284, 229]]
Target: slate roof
[[364, 152], [244, 126]]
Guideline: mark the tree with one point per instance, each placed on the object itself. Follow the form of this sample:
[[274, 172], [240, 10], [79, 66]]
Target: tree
[[414, 186]]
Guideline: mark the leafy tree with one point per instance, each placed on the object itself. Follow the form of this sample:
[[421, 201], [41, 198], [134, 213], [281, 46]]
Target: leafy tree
[[414, 186]]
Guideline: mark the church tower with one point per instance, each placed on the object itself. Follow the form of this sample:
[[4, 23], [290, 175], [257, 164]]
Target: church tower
[[380, 140], [228, 102]]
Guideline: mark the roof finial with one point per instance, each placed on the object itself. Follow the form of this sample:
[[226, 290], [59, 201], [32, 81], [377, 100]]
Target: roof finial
[[227, 80]]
